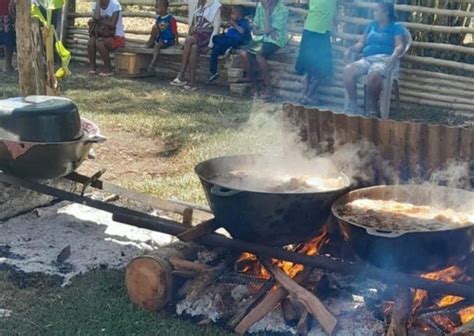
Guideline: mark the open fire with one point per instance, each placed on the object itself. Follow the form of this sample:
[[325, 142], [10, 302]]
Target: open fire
[[446, 314]]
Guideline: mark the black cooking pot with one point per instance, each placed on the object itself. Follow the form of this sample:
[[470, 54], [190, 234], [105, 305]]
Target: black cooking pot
[[409, 250], [265, 217], [39, 119], [47, 160]]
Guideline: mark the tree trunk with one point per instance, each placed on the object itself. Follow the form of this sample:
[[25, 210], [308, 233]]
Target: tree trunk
[[30, 69]]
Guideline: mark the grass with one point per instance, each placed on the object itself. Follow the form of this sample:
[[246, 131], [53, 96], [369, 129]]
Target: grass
[[94, 304]]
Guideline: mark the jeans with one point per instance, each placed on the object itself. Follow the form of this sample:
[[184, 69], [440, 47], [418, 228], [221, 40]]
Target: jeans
[[221, 44]]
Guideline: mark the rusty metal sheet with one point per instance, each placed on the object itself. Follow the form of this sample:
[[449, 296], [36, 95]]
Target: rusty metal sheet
[[410, 148]]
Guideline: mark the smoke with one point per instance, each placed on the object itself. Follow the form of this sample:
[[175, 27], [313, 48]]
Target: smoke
[[285, 153]]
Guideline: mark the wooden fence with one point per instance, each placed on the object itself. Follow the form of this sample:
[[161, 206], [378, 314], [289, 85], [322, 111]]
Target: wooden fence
[[438, 72]]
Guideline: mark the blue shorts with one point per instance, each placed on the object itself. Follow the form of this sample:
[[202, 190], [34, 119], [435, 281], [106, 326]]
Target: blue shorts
[[8, 39], [7, 31], [165, 43]]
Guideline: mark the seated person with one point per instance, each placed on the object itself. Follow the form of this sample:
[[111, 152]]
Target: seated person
[[270, 34], [164, 32], [205, 25], [382, 46], [238, 34], [106, 33]]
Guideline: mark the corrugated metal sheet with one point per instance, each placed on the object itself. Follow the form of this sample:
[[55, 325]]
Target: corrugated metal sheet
[[411, 148]]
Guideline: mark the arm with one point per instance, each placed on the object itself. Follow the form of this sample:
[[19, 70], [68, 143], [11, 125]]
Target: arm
[[174, 29], [267, 21], [112, 21], [96, 15], [397, 52], [356, 48], [237, 27], [217, 26], [11, 7]]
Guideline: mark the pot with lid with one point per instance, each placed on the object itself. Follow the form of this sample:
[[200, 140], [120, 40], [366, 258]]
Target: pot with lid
[[39, 119], [43, 137]]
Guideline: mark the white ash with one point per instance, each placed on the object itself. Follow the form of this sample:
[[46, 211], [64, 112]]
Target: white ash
[[205, 305], [240, 293], [35, 239], [273, 322]]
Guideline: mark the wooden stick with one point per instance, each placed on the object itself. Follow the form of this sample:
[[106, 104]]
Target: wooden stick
[[179, 263], [400, 314], [314, 306], [303, 324], [268, 303], [198, 231]]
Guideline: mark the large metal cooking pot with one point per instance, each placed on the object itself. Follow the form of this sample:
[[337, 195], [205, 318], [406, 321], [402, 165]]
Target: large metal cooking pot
[[47, 160], [39, 119], [418, 250], [260, 216]]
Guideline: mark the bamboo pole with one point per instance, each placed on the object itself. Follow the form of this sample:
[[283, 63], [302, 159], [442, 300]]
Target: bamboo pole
[[414, 8], [413, 25]]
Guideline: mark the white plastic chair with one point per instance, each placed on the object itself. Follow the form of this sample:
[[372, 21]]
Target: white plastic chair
[[389, 81]]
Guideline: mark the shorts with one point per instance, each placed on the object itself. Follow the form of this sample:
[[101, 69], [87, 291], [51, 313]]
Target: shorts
[[118, 42], [264, 49], [7, 31], [165, 43], [375, 63]]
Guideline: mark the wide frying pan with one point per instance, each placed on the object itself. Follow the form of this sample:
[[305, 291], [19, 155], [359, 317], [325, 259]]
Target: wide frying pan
[[409, 250]]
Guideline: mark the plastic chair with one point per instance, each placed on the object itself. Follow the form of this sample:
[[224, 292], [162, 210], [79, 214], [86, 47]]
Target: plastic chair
[[389, 81]]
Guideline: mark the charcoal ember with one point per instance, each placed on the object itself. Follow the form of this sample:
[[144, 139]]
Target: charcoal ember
[[240, 293]]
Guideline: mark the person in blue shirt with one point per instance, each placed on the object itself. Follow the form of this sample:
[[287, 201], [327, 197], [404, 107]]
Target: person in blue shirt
[[164, 33], [237, 34], [381, 45]]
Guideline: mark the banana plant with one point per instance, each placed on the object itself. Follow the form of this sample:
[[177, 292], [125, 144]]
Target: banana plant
[[51, 42]]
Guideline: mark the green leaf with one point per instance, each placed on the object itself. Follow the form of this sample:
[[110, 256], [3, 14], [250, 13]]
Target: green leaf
[[36, 12], [54, 4]]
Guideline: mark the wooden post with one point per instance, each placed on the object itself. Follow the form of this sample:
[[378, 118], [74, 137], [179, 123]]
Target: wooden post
[[30, 76]]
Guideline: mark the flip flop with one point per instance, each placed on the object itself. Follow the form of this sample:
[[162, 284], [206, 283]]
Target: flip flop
[[178, 82], [189, 88], [106, 74], [92, 73]]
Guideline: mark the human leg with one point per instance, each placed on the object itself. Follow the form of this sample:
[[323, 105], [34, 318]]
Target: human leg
[[267, 82], [193, 60], [156, 53], [374, 87], [91, 52], [188, 44]]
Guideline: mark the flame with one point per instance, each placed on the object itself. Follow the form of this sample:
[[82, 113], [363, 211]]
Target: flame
[[450, 274], [248, 263]]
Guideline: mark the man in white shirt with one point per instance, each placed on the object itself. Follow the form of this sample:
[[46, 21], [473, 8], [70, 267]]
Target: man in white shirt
[[106, 33]]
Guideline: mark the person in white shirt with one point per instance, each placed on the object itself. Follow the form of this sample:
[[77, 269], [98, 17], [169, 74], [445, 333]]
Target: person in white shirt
[[205, 25], [106, 33]]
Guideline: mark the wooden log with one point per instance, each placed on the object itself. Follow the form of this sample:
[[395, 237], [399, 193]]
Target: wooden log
[[148, 278], [289, 312], [330, 264], [199, 230], [401, 313], [183, 264], [268, 303], [314, 306], [303, 324]]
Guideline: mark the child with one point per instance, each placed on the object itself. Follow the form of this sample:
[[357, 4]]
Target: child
[[206, 22], [164, 33], [270, 34], [237, 34]]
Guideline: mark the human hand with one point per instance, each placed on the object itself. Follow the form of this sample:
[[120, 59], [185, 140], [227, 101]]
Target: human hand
[[11, 7], [348, 56], [392, 61]]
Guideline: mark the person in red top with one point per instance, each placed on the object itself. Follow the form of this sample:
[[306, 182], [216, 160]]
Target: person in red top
[[7, 31]]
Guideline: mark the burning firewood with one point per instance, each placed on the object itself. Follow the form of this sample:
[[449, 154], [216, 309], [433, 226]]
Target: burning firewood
[[314, 306], [400, 314]]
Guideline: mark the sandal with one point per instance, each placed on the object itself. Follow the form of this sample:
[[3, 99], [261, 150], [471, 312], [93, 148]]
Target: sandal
[[92, 72], [106, 74], [189, 88], [178, 82]]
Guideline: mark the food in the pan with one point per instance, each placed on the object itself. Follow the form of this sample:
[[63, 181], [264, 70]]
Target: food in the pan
[[280, 182], [391, 215]]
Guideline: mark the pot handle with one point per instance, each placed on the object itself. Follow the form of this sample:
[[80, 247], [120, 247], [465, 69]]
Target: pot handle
[[97, 138], [385, 234], [223, 192]]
